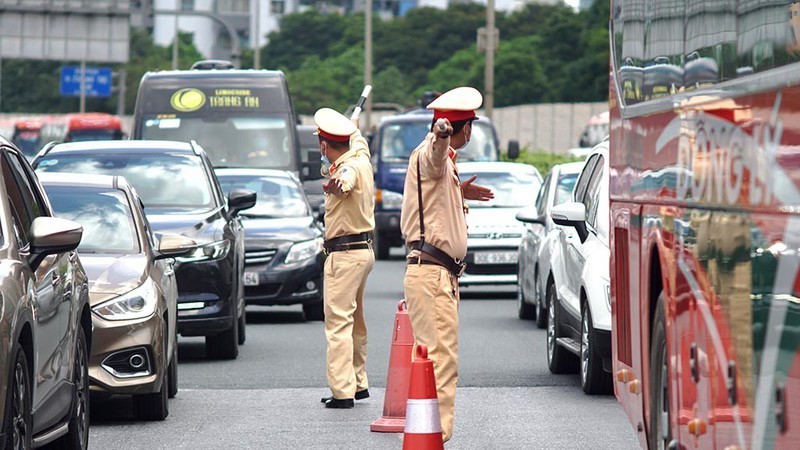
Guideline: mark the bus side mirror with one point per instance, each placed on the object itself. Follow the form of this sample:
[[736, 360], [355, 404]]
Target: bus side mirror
[[312, 167], [513, 149]]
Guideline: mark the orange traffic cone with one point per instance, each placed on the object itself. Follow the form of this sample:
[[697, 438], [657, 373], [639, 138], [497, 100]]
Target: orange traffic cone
[[423, 425], [393, 419]]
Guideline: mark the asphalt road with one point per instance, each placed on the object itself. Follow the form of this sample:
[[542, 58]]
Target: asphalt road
[[269, 397]]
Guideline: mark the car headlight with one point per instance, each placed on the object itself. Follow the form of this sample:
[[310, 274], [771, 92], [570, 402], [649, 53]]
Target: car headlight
[[207, 252], [136, 304], [389, 199], [304, 250]]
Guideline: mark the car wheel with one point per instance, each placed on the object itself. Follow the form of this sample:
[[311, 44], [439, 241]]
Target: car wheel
[[78, 435], [381, 247], [541, 305], [173, 371], [17, 426], [153, 406], [314, 311], [525, 311], [594, 380], [242, 324], [559, 359], [660, 434], [224, 345]]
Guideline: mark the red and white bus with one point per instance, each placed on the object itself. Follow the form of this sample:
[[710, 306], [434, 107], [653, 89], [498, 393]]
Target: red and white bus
[[705, 221], [93, 127]]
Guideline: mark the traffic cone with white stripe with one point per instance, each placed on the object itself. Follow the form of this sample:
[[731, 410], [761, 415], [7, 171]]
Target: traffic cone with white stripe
[[394, 404], [423, 425]]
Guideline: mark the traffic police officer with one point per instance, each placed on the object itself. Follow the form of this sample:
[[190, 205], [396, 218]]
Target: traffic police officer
[[349, 221], [434, 225]]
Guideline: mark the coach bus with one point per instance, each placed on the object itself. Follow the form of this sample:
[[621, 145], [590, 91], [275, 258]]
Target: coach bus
[[242, 118], [705, 221]]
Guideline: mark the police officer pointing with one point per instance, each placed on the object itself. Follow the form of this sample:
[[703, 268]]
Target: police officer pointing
[[349, 221], [433, 222]]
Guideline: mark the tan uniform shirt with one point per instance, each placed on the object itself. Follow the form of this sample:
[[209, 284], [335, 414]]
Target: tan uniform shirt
[[443, 203], [353, 211]]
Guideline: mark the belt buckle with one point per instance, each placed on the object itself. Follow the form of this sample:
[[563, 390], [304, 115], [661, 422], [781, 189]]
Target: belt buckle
[[325, 251], [462, 267]]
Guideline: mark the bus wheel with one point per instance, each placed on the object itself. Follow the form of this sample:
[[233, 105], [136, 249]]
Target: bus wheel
[[660, 434]]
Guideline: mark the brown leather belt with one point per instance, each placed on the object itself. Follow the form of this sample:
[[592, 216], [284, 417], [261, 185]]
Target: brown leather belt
[[424, 258]]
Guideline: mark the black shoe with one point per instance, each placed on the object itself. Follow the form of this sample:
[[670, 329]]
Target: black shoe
[[339, 404], [361, 395]]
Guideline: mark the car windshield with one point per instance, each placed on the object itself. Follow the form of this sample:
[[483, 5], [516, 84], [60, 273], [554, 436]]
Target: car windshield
[[104, 213], [564, 187], [244, 141], [162, 180], [511, 189], [28, 142], [277, 197], [398, 140], [93, 135]]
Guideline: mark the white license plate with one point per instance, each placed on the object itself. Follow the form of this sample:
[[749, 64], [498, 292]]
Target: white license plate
[[251, 278], [496, 257]]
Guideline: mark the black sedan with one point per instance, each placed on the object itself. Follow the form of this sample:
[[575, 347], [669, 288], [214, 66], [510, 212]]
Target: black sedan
[[283, 241], [181, 195]]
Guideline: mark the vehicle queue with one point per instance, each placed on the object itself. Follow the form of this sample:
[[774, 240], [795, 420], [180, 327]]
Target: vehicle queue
[[164, 249]]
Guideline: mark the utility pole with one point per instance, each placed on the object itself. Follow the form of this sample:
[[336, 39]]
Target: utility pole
[[177, 36], [257, 37], [368, 60], [492, 39], [83, 86], [122, 81]]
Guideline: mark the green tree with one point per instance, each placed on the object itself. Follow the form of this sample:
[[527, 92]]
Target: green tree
[[335, 82]]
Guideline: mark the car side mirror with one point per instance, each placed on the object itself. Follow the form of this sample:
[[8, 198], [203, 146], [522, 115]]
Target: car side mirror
[[321, 214], [530, 215], [313, 166], [240, 199], [513, 149], [174, 245], [50, 235], [571, 214]]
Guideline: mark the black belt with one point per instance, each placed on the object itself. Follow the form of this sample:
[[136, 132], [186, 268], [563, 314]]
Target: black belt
[[454, 265], [347, 242]]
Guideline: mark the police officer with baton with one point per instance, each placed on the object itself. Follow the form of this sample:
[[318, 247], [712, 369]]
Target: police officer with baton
[[433, 222], [349, 223]]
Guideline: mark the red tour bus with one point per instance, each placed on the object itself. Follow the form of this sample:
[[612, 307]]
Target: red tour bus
[[705, 221], [93, 127]]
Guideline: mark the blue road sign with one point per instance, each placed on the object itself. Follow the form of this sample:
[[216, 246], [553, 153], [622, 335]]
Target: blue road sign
[[97, 81]]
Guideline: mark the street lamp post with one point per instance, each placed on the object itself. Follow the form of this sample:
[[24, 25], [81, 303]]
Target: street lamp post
[[257, 36], [368, 60], [488, 75], [175, 40]]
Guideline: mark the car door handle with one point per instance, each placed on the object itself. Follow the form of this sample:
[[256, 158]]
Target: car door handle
[[56, 280], [73, 256]]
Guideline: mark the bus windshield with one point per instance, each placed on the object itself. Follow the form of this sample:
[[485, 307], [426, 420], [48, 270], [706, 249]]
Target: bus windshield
[[400, 139], [231, 140], [28, 141]]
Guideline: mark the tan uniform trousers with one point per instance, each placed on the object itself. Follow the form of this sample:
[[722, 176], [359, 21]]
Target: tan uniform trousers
[[432, 296], [345, 328]]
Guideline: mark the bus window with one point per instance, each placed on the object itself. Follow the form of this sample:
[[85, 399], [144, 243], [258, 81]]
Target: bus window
[[663, 48], [628, 23], [767, 34], [710, 43]]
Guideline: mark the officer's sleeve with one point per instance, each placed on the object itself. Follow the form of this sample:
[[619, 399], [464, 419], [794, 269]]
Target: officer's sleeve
[[359, 144], [434, 157], [348, 177]]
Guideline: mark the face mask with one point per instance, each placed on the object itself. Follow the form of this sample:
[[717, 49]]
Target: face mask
[[325, 160]]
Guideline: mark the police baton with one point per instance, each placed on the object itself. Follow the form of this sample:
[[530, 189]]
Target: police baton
[[361, 102]]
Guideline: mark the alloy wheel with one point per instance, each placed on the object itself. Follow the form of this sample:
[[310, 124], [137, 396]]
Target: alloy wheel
[[585, 350], [551, 330], [20, 427]]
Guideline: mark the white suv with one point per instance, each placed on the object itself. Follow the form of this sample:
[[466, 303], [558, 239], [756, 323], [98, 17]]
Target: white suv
[[579, 317]]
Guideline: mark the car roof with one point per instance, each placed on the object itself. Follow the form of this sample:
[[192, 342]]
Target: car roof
[[220, 73], [569, 168], [89, 147], [81, 180], [420, 116], [254, 172], [505, 167]]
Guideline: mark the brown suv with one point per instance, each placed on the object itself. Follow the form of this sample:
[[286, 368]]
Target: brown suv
[[132, 289], [45, 322]]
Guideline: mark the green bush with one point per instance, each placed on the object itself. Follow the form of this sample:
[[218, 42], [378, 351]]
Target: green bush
[[541, 160]]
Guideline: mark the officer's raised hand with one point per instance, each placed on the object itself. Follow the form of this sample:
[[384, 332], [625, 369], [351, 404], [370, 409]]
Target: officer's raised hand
[[333, 186], [443, 128], [476, 192]]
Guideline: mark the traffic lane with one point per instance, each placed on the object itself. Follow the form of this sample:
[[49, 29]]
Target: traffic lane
[[555, 417], [285, 351]]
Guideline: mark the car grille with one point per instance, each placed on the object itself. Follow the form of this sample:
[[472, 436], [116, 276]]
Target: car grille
[[258, 257], [491, 269], [262, 291]]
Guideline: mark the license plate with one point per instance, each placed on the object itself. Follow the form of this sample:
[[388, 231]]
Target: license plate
[[496, 257], [251, 278]]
